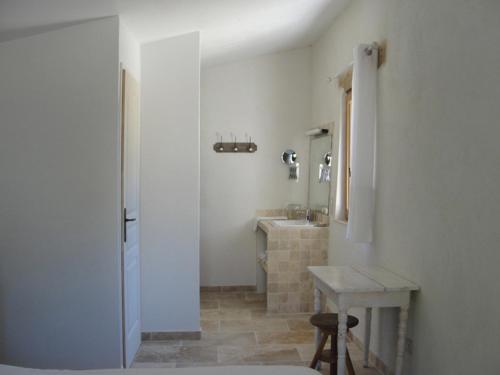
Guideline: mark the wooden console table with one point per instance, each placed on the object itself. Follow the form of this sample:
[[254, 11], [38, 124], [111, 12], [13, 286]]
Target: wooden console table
[[362, 286]]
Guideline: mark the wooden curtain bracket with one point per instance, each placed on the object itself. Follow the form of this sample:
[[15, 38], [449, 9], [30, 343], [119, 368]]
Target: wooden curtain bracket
[[345, 79], [382, 53]]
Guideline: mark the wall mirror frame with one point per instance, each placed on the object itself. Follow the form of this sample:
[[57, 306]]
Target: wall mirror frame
[[320, 173]]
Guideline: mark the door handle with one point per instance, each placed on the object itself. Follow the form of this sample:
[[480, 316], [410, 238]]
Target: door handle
[[125, 221]]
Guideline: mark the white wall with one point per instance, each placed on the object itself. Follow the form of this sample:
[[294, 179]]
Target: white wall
[[59, 215], [130, 52], [437, 198], [170, 184], [269, 98]]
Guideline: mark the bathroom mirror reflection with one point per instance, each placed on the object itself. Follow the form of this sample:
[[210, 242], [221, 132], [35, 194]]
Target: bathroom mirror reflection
[[320, 172]]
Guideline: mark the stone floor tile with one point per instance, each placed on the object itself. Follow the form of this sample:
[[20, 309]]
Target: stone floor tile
[[263, 313], [210, 304], [231, 314], [242, 304], [196, 354], [160, 344], [358, 369], [232, 296], [196, 364], [254, 325], [260, 354], [210, 325], [238, 330], [295, 337], [355, 352], [223, 338], [287, 363], [157, 352], [176, 354], [153, 365], [306, 351], [251, 296], [207, 296], [238, 288], [299, 324]]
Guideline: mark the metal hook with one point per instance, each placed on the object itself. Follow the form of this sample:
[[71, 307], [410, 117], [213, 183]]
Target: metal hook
[[250, 147], [235, 148], [221, 146]]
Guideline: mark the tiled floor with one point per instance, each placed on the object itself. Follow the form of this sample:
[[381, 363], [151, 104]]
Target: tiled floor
[[237, 330]]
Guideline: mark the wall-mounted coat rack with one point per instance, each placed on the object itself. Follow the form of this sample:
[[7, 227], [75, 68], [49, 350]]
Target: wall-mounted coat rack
[[235, 147]]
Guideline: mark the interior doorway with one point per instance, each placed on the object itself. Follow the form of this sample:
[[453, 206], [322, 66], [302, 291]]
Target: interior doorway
[[130, 146]]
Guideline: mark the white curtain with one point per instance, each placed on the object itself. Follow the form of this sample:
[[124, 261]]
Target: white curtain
[[364, 118]]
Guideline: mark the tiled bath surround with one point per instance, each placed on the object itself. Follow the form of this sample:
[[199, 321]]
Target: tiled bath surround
[[289, 252], [317, 216]]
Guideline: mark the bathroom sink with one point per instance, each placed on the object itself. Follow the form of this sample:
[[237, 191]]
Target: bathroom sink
[[293, 223]]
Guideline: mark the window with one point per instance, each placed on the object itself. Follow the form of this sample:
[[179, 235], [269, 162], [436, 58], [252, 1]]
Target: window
[[344, 80], [344, 167], [347, 152]]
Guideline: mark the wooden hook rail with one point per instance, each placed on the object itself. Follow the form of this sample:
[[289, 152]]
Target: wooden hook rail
[[235, 147]]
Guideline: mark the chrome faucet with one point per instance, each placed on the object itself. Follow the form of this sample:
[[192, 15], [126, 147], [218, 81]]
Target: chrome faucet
[[308, 215]]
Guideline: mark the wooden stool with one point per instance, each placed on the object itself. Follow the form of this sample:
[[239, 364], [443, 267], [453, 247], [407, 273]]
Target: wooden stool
[[328, 325]]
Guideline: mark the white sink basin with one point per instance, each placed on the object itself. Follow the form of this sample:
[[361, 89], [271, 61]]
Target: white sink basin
[[292, 223]]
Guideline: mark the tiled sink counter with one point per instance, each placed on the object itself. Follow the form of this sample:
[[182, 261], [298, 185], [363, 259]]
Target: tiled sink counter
[[290, 250]]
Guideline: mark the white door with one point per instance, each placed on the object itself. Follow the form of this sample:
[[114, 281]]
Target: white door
[[130, 218]]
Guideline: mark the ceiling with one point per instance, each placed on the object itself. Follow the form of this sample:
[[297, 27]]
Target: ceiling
[[230, 29]]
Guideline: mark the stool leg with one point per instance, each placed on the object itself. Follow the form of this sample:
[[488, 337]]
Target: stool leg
[[333, 356], [368, 325], [322, 344], [350, 367]]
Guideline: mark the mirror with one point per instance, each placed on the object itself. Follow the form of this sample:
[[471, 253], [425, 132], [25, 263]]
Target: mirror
[[328, 159], [320, 172], [289, 157]]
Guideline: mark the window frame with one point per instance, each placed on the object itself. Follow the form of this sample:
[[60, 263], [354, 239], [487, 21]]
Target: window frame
[[347, 152], [344, 151]]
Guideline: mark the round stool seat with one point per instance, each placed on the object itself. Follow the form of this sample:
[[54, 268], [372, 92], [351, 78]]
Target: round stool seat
[[328, 322]]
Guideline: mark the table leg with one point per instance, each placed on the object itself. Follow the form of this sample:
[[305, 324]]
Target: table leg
[[341, 341], [403, 319], [317, 309], [368, 329], [317, 332]]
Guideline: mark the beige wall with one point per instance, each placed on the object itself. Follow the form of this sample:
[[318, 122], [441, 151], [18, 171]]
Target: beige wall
[[437, 199], [268, 97]]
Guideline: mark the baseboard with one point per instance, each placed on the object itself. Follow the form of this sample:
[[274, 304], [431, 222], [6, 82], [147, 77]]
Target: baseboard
[[229, 288], [167, 336], [380, 366]]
